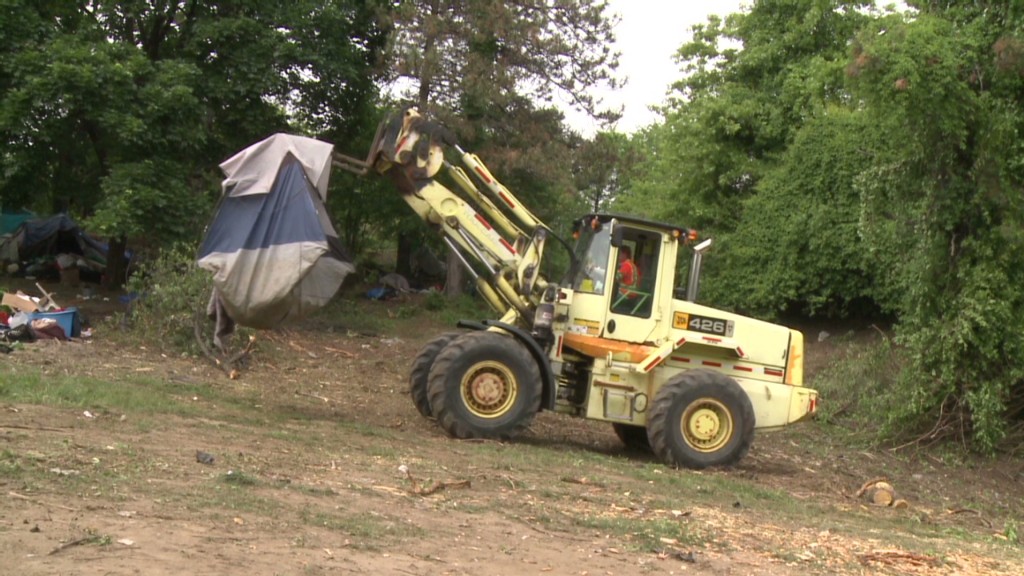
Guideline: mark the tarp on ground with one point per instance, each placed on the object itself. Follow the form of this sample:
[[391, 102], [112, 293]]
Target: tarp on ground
[[273, 252], [10, 220], [57, 234]]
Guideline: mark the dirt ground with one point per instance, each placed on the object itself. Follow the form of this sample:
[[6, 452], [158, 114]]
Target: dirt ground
[[321, 464]]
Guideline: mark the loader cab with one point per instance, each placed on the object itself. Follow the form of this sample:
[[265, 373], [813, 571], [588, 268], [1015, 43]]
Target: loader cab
[[618, 281]]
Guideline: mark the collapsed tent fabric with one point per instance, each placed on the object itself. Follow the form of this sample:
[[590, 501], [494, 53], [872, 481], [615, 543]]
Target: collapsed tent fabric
[[52, 235], [274, 255]]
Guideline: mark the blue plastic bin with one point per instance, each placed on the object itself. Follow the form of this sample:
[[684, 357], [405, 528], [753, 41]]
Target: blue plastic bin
[[66, 319]]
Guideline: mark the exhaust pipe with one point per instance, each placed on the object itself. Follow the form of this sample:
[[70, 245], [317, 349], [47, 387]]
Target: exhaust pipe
[[693, 285]]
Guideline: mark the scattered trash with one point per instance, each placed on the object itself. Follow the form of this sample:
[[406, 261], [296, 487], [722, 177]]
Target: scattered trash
[[88, 414], [126, 541], [686, 557], [381, 293], [19, 333]]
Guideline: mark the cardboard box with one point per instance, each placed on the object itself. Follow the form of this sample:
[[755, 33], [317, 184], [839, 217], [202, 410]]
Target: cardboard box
[[19, 302]]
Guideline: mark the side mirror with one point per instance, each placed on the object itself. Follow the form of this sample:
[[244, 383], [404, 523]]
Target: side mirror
[[693, 286]]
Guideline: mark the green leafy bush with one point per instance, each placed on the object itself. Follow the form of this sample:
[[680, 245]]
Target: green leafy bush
[[169, 292]]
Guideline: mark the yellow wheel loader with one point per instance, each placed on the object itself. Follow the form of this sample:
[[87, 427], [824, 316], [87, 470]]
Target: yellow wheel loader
[[608, 341]]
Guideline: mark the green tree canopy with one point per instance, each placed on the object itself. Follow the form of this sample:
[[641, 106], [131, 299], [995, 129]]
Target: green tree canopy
[[490, 71], [119, 111]]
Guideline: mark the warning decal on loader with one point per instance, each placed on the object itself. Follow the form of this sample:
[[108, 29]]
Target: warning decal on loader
[[586, 327], [704, 324]]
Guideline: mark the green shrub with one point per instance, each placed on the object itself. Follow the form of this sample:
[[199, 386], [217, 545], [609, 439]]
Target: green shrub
[[857, 389], [169, 292]]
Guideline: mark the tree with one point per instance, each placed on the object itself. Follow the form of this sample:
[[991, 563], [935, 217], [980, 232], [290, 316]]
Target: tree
[[483, 67], [602, 167], [737, 109], [946, 212], [867, 161], [119, 111]]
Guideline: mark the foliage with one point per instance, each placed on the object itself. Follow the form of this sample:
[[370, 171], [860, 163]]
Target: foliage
[[947, 214], [169, 293], [602, 167], [864, 391], [799, 248], [490, 69], [460, 55], [736, 110], [119, 111], [853, 162]]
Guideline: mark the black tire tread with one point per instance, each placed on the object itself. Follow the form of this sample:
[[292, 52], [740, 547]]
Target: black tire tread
[[420, 373], [483, 344], [660, 425]]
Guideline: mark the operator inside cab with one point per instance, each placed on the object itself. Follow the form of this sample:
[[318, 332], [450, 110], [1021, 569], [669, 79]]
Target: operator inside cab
[[628, 275]]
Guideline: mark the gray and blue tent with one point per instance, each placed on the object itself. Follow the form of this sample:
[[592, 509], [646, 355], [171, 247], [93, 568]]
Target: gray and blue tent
[[273, 252]]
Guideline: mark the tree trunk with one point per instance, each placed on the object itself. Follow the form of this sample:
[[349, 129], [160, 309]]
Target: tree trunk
[[117, 265], [403, 256], [453, 280]]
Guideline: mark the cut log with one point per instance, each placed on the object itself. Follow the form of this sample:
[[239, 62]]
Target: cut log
[[880, 494]]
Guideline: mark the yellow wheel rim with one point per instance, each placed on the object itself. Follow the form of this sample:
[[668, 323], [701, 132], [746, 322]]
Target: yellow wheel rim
[[706, 425], [489, 389]]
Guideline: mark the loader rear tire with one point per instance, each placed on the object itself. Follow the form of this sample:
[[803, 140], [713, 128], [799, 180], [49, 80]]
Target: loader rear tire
[[420, 372], [633, 437], [699, 419], [484, 385]]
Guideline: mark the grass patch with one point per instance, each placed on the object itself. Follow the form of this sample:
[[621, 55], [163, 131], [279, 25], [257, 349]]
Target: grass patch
[[645, 534], [367, 430], [318, 491], [235, 497], [10, 466], [237, 478], [355, 314], [373, 531], [131, 395]]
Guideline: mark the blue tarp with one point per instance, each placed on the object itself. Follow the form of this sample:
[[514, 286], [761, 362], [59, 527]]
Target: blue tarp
[[271, 248], [58, 234]]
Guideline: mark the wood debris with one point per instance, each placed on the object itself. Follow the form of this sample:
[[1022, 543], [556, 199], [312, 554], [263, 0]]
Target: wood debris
[[879, 492], [954, 511], [78, 542], [582, 480], [893, 557], [435, 487]]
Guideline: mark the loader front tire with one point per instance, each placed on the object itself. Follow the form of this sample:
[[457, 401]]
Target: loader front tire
[[420, 372], [699, 419], [484, 385]]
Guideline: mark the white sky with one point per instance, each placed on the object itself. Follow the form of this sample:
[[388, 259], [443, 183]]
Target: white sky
[[648, 35]]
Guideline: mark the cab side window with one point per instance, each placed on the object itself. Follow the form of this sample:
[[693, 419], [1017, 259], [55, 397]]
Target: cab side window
[[636, 274]]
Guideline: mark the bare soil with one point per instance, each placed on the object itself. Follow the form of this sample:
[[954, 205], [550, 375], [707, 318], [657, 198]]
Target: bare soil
[[321, 464]]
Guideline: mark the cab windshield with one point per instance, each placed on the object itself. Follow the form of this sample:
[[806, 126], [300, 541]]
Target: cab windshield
[[592, 249]]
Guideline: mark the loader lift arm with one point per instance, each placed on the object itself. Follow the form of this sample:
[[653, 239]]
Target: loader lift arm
[[501, 245]]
